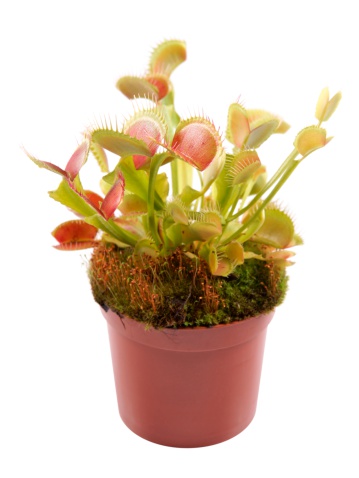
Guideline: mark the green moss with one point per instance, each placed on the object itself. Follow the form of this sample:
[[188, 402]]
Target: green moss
[[176, 291]]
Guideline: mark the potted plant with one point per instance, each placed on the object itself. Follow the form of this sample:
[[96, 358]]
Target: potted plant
[[189, 253]]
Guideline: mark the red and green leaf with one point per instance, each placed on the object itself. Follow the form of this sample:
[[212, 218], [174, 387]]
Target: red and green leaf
[[75, 235], [114, 197], [119, 143], [149, 127], [167, 56], [77, 160], [197, 142]]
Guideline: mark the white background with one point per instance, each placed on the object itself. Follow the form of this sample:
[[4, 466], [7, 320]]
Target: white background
[[59, 63]]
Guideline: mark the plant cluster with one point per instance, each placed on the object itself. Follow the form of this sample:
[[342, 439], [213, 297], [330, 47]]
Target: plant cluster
[[228, 219]]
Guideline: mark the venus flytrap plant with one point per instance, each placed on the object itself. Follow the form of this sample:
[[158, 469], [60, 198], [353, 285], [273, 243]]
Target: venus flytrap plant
[[228, 221]]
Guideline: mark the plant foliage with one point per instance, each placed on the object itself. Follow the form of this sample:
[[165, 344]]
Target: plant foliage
[[226, 221]]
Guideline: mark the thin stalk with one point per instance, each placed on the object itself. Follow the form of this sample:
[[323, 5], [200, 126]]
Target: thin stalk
[[238, 197], [174, 177], [155, 166], [290, 168], [270, 183]]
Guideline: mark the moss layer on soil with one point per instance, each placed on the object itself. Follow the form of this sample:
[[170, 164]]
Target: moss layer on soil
[[176, 291]]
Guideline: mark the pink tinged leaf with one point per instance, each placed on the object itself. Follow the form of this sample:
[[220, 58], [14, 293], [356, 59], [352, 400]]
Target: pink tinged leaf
[[141, 162], [113, 197], [167, 56], [75, 235], [280, 255], [238, 125], [149, 127], [77, 160], [309, 139], [197, 142], [76, 246], [47, 165], [160, 82]]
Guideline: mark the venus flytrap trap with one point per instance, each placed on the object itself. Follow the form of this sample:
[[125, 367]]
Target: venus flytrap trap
[[227, 233]]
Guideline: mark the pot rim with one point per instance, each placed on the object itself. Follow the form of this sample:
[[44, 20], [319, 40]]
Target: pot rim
[[189, 339]]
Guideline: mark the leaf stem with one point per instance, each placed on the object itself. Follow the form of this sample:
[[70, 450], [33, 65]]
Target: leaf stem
[[281, 171], [290, 167], [155, 165], [174, 176]]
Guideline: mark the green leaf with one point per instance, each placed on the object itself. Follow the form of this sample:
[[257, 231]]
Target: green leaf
[[146, 246], [184, 174], [252, 227], [213, 170], [257, 117], [309, 139], [133, 205], [202, 231], [162, 186], [136, 87], [224, 267], [100, 155], [177, 211], [119, 143], [72, 199], [242, 167], [235, 252], [179, 234], [136, 180], [221, 188], [261, 133], [332, 106], [277, 229], [189, 195], [322, 104], [174, 234], [111, 228], [325, 107]]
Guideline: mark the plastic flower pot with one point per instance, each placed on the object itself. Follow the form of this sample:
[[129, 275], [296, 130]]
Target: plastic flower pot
[[188, 387]]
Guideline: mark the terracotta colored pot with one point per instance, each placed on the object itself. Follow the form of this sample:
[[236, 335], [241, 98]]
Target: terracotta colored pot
[[187, 387]]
